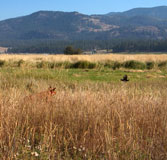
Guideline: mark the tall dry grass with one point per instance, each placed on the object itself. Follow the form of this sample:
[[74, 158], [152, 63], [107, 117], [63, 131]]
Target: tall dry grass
[[90, 58], [92, 121]]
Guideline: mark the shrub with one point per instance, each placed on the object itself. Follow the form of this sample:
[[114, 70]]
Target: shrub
[[83, 64], [116, 65], [108, 64], [132, 64], [92, 65], [162, 64], [2, 63], [41, 64], [150, 65], [77, 51], [69, 50], [51, 65], [112, 64], [66, 65]]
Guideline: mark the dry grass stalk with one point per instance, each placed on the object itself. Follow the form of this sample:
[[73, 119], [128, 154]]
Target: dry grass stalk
[[126, 121], [90, 58]]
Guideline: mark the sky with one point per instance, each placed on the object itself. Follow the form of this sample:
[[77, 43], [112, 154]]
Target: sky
[[16, 8]]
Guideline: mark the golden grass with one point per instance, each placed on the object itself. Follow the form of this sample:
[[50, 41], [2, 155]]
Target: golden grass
[[92, 121], [89, 121], [91, 58]]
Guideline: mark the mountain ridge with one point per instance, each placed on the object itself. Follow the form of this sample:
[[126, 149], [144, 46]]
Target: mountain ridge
[[142, 23], [153, 11]]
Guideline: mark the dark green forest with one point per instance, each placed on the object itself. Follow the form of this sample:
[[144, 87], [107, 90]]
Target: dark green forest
[[58, 47]]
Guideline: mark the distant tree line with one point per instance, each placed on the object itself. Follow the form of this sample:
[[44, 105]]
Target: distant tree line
[[141, 46], [76, 47], [56, 47]]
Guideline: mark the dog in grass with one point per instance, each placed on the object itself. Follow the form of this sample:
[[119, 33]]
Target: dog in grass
[[44, 96]]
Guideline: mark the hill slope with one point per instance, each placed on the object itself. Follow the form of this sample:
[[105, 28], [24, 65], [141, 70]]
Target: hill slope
[[136, 24]]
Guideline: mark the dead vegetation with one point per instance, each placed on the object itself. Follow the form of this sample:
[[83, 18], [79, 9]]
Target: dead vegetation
[[88, 121], [85, 119], [89, 58]]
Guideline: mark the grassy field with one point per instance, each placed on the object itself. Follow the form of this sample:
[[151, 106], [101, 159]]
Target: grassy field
[[91, 58], [93, 116]]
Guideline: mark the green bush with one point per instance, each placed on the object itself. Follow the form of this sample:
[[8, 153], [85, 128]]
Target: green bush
[[116, 65], [83, 65], [150, 65], [92, 65], [2, 63], [108, 64], [43, 64], [162, 64], [69, 50], [112, 64], [132, 64]]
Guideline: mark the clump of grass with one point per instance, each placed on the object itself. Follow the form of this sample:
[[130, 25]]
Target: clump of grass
[[65, 65], [108, 64], [83, 65], [51, 65], [150, 65], [95, 121], [162, 64], [112, 64], [20, 63], [42, 64], [132, 64], [2, 63], [116, 65]]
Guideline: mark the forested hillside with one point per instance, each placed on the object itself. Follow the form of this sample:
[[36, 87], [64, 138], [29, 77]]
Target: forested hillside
[[58, 47], [140, 29], [146, 23]]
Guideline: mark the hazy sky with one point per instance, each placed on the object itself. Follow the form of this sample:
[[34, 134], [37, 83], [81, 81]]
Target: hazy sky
[[14, 8]]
